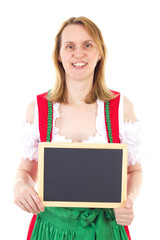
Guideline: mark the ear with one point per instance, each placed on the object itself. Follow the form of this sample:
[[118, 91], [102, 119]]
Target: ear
[[59, 58], [99, 57]]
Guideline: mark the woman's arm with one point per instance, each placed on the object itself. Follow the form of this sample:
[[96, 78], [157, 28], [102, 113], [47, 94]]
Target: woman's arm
[[134, 181], [24, 194], [134, 171], [124, 216]]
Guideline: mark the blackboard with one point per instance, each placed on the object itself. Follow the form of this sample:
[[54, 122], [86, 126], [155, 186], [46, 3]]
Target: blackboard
[[82, 175]]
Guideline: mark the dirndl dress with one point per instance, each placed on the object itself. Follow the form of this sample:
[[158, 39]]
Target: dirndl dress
[[57, 223]]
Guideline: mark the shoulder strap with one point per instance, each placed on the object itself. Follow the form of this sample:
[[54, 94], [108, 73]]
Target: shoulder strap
[[111, 109], [45, 112]]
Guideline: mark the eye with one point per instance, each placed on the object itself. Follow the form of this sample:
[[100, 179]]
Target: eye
[[70, 46], [88, 45]]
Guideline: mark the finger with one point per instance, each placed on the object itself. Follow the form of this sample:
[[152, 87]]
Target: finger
[[126, 216], [124, 221], [19, 204], [24, 205], [28, 199], [128, 203], [32, 205], [121, 211], [38, 202], [28, 206]]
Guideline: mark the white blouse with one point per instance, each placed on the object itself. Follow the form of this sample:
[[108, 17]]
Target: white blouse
[[129, 133]]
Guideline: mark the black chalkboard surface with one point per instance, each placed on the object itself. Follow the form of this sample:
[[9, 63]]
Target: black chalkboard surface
[[82, 175]]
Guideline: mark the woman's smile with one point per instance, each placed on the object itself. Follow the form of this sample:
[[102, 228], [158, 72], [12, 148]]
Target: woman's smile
[[79, 65]]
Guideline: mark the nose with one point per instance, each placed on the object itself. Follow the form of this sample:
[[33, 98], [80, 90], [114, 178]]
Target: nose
[[79, 52]]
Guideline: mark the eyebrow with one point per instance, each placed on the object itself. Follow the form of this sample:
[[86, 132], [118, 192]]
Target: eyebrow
[[89, 40]]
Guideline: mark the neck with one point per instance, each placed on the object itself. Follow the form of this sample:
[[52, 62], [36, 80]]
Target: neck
[[77, 90]]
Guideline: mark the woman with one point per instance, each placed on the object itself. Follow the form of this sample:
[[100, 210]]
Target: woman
[[77, 100]]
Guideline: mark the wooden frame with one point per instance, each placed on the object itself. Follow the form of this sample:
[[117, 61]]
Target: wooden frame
[[41, 164]]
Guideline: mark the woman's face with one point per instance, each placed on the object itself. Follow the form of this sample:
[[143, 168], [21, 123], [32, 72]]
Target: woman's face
[[78, 53]]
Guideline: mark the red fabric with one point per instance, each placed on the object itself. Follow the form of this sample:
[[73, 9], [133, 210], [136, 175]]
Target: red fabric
[[114, 117], [127, 232], [31, 226], [43, 115]]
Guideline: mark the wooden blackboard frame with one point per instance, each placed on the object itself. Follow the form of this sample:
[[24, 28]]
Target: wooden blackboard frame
[[111, 146]]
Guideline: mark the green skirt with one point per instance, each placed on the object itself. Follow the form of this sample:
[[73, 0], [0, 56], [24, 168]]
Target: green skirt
[[77, 224]]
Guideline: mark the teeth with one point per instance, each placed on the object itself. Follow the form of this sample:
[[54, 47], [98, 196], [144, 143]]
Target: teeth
[[79, 64]]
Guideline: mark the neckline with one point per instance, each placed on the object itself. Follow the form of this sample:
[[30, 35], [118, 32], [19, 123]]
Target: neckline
[[100, 132]]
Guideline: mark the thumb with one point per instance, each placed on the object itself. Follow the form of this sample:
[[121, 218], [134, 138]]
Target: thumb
[[128, 203]]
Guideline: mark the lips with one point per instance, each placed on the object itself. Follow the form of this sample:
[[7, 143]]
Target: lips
[[79, 64]]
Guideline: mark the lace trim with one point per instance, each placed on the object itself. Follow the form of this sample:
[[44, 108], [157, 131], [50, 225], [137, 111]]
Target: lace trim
[[55, 116], [100, 121], [130, 134], [29, 141]]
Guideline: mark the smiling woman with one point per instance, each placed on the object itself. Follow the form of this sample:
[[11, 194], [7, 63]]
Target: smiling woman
[[80, 56], [80, 108], [80, 43]]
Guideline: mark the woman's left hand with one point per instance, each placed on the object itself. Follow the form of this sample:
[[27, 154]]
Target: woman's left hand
[[124, 216]]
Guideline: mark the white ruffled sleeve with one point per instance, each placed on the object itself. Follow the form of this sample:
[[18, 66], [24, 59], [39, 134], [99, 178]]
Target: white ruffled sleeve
[[30, 138], [130, 134]]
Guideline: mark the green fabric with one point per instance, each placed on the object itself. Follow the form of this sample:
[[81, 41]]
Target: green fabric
[[77, 224], [108, 120], [49, 122]]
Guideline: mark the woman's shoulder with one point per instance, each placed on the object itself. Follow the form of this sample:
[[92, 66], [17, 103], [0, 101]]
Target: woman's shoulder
[[30, 111], [128, 110]]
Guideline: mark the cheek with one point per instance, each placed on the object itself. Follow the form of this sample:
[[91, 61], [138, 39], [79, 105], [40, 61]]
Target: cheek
[[65, 59], [95, 60], [95, 56]]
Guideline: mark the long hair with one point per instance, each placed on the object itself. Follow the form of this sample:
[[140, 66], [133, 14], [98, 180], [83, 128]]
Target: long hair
[[99, 89]]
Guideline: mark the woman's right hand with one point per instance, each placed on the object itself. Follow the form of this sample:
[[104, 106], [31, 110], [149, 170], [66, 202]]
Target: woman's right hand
[[25, 195], [27, 198]]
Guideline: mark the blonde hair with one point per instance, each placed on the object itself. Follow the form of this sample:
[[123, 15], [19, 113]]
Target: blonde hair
[[99, 90]]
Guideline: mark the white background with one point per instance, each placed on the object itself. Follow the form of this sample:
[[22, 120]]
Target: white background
[[131, 32]]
